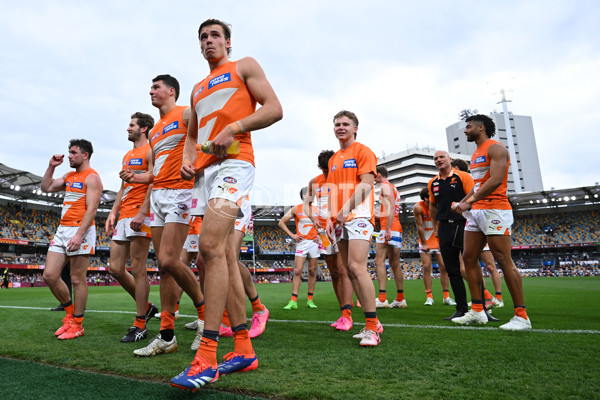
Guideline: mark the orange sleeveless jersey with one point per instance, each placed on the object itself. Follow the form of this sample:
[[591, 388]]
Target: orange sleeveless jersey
[[396, 226], [480, 169], [167, 139], [134, 193], [74, 206], [345, 167], [220, 99], [432, 241], [195, 225], [304, 226], [321, 192]]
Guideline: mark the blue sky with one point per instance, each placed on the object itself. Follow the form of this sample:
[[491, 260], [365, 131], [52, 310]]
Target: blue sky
[[75, 69]]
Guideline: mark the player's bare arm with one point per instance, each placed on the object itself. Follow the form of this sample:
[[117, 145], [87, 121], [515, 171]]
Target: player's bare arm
[[92, 199], [191, 140], [283, 224], [389, 205], [418, 213], [48, 184], [112, 215], [270, 111]]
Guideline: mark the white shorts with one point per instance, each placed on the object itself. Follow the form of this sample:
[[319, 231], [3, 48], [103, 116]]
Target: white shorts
[[170, 205], [490, 222], [395, 242], [431, 251], [308, 248], [65, 233], [329, 250], [241, 224], [123, 231], [355, 229], [191, 243], [227, 179]]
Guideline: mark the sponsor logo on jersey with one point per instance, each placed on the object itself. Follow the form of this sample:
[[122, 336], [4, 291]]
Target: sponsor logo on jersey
[[219, 79], [200, 89], [135, 161], [351, 163], [230, 179], [480, 159], [170, 127], [436, 189], [77, 185], [333, 168]]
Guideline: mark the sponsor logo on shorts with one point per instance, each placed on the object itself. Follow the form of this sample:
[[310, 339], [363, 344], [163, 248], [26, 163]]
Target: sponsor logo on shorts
[[135, 161], [362, 225], [182, 207], [194, 203], [480, 159], [230, 179], [351, 163], [170, 127], [498, 228], [232, 190], [77, 185], [495, 221], [219, 79]]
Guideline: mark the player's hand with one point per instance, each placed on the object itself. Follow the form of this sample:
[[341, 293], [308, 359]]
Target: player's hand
[[188, 171], [56, 160], [387, 235], [297, 238], [110, 223], [137, 222], [127, 175], [75, 243], [316, 222], [425, 248], [221, 143], [459, 208]]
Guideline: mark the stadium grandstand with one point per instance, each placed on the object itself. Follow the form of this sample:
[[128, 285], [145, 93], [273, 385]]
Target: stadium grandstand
[[556, 233]]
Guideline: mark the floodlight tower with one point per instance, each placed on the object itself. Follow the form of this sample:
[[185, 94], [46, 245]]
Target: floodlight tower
[[514, 167]]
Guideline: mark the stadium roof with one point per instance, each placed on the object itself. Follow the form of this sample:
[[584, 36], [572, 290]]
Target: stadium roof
[[18, 185]]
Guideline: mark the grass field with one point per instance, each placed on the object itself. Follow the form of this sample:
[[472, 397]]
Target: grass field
[[421, 356]]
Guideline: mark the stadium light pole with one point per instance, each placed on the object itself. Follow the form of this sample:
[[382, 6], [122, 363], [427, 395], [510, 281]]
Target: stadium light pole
[[514, 165]]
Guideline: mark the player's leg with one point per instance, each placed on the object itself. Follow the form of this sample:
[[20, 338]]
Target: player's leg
[[119, 252], [394, 254], [490, 265], [312, 280], [297, 280], [381, 250], [444, 280], [427, 281]]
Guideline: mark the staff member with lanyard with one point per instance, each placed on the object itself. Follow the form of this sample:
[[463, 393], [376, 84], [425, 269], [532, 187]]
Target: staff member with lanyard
[[447, 187]]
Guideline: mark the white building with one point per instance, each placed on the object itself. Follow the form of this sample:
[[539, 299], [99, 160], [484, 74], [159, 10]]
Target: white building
[[410, 171], [524, 142]]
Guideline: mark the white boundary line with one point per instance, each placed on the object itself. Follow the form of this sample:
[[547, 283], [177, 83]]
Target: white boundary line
[[294, 321]]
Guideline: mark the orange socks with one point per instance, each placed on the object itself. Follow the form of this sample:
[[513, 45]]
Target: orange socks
[[400, 295], [487, 295], [257, 306], [428, 293], [200, 311], [140, 322], [225, 320], [382, 296], [242, 343], [167, 321], [294, 297], [371, 324], [520, 312], [347, 313], [446, 293], [208, 350]]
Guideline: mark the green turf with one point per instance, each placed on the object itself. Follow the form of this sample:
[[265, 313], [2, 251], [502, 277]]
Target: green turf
[[301, 357]]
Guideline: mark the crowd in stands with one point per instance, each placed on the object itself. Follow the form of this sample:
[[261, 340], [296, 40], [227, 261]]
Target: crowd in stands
[[33, 225]]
